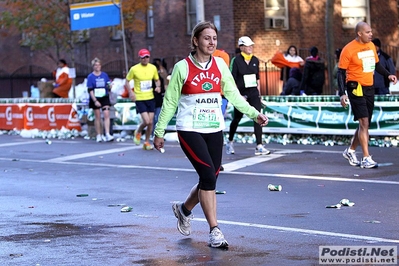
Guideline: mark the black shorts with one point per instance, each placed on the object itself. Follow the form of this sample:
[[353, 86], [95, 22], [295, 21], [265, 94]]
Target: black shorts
[[362, 106], [103, 100], [147, 106], [204, 150]]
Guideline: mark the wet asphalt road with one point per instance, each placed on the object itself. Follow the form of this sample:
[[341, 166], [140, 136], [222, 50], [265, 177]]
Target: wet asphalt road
[[43, 222]]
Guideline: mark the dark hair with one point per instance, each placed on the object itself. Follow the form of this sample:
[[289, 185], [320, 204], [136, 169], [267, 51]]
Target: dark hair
[[377, 42], [199, 28], [292, 46], [62, 61], [338, 53], [314, 51]]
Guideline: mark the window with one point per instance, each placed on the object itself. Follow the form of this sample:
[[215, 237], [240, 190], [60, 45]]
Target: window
[[191, 15], [150, 22], [354, 11], [27, 39], [276, 14], [116, 34], [81, 36]]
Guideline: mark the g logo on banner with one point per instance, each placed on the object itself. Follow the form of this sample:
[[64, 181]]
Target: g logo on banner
[[29, 114], [9, 113], [51, 115]]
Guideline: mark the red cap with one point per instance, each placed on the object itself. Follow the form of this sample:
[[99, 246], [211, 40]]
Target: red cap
[[144, 53]]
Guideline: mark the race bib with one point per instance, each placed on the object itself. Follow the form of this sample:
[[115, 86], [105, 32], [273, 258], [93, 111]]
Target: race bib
[[368, 60], [206, 117], [250, 81], [146, 85], [100, 92]]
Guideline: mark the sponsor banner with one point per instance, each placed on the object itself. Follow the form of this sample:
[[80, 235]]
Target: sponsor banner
[[284, 117], [288, 117], [38, 116], [12, 116], [358, 255]]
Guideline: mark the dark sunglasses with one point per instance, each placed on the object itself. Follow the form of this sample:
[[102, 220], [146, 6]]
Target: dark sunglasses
[[145, 57]]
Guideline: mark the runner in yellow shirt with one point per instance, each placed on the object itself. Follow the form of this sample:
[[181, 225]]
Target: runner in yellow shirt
[[143, 74]]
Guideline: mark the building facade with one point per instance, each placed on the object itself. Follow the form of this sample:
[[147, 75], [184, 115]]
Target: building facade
[[272, 24]]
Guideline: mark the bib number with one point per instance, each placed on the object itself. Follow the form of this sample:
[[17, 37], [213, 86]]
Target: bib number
[[146, 85], [207, 117], [250, 81], [100, 92]]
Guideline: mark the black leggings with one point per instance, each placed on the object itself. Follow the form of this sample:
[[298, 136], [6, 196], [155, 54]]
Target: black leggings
[[205, 153], [253, 100]]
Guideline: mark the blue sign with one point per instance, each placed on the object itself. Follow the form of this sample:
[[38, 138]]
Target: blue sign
[[95, 15]]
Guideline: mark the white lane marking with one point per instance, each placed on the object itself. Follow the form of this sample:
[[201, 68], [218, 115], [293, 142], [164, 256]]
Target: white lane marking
[[325, 178], [337, 179], [306, 231], [90, 154], [228, 167], [21, 143]]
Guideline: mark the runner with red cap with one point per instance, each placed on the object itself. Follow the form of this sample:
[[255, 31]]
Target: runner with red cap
[[143, 74]]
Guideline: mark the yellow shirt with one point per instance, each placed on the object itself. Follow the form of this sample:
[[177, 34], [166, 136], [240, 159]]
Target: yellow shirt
[[143, 77]]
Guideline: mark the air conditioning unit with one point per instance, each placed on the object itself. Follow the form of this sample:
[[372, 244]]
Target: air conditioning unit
[[275, 23]]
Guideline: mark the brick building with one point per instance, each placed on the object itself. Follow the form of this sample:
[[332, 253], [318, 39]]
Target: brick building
[[272, 24]]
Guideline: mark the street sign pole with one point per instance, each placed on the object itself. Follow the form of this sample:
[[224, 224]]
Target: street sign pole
[[124, 39]]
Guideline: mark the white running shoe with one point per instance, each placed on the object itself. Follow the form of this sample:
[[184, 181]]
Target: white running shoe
[[260, 150], [368, 163], [351, 157], [229, 147], [99, 138], [183, 222], [216, 239], [109, 137]]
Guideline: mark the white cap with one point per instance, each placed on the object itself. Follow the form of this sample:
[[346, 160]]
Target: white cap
[[245, 40]]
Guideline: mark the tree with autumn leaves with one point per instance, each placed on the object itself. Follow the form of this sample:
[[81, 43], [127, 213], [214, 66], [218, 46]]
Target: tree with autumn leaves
[[45, 24]]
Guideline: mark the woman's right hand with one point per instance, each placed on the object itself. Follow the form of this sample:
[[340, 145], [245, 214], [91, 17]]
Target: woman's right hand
[[158, 143]]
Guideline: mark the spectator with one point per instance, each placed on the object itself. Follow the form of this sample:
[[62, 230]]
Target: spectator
[[335, 70], [98, 86], [291, 87], [313, 74], [381, 83], [63, 82], [158, 96], [291, 56]]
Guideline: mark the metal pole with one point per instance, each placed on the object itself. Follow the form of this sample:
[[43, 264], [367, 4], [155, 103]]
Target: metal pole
[[123, 38]]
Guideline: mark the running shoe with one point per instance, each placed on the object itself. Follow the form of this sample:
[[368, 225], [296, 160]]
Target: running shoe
[[351, 157], [183, 222], [109, 137], [137, 137], [229, 147], [216, 239], [99, 138], [260, 150], [147, 146], [368, 163]]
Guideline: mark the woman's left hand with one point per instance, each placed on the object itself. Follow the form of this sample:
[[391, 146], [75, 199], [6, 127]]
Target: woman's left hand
[[262, 120]]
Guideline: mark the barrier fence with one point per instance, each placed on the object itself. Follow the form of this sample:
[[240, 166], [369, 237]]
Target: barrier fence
[[322, 114]]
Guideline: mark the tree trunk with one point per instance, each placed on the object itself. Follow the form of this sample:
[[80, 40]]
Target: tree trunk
[[329, 24]]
